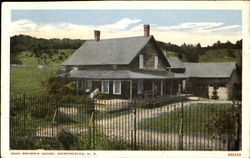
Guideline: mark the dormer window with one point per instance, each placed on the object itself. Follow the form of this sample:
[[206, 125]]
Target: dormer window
[[156, 62], [141, 62]]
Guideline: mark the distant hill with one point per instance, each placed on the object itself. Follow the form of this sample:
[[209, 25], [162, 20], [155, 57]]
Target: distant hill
[[27, 50], [42, 50], [218, 52]]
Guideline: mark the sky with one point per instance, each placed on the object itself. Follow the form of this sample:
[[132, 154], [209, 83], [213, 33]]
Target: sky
[[175, 26]]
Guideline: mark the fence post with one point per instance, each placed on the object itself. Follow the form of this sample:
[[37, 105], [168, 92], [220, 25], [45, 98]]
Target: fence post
[[180, 145], [238, 127], [24, 118], [93, 122], [134, 146], [90, 126]]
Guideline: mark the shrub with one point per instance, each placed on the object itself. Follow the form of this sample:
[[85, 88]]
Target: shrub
[[64, 118], [101, 96], [225, 125], [56, 87], [215, 93], [26, 143], [66, 138]]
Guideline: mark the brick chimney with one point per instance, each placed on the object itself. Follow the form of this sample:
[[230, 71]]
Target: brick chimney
[[97, 35], [146, 30]]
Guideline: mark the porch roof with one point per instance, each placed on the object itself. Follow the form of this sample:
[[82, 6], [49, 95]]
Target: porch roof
[[119, 74]]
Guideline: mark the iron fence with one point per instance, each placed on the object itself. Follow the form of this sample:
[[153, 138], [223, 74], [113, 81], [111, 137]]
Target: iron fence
[[77, 123]]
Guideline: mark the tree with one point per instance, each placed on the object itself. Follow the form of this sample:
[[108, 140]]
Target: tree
[[238, 44], [231, 53]]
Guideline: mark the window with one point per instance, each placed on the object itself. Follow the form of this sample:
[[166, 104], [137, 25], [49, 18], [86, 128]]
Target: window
[[141, 66], [117, 87], [156, 62], [105, 87]]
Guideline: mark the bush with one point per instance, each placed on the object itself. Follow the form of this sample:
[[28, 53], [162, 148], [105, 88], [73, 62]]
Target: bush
[[66, 138], [56, 87], [101, 96], [225, 124], [215, 93], [63, 118], [26, 143]]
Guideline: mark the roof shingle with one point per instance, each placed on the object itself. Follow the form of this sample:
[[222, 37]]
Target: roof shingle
[[175, 62], [210, 70], [118, 51], [121, 74]]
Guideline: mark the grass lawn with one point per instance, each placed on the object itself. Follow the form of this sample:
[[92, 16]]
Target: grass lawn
[[195, 120], [27, 80]]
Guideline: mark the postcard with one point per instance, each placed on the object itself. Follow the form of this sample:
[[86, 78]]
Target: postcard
[[125, 79]]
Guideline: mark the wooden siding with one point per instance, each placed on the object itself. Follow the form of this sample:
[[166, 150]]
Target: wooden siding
[[231, 84], [204, 86], [149, 52]]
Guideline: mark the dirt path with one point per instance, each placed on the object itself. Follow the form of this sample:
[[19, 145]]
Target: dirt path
[[122, 127]]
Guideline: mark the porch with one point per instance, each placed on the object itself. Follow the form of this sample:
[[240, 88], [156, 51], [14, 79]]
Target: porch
[[127, 84], [147, 89]]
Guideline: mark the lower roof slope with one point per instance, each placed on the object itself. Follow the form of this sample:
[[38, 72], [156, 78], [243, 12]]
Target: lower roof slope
[[210, 70], [175, 62], [120, 74]]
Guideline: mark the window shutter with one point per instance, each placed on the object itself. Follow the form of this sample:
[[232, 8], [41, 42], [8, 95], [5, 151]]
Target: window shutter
[[156, 62], [141, 62]]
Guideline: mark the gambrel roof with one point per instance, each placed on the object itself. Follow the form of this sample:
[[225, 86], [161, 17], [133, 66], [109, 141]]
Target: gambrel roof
[[210, 70], [118, 51]]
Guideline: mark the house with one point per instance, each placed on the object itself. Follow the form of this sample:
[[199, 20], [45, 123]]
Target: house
[[127, 68], [135, 67], [213, 80]]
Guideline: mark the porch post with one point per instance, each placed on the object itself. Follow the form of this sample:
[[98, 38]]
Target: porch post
[[179, 87], [82, 85], [77, 87], [131, 90], [161, 87], [153, 89], [171, 92]]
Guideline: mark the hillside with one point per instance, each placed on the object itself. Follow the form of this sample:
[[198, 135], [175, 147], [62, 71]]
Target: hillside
[[46, 57], [221, 55], [215, 55]]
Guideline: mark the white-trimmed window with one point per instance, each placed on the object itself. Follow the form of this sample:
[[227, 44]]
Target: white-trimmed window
[[105, 86], [141, 62], [117, 87], [156, 62]]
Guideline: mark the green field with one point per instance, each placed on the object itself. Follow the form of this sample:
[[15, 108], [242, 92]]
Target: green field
[[27, 78]]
